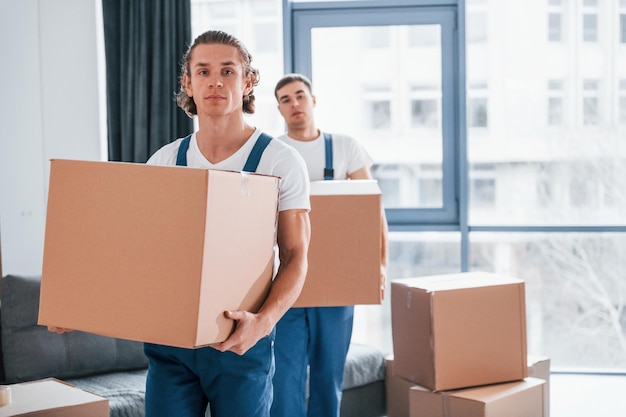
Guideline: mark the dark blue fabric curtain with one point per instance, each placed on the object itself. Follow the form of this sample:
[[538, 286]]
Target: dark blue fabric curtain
[[144, 43]]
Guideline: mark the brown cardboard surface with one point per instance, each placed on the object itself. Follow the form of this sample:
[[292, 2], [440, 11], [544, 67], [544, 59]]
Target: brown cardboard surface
[[344, 252], [520, 399], [459, 330], [539, 367], [398, 388], [53, 398], [155, 253], [397, 391]]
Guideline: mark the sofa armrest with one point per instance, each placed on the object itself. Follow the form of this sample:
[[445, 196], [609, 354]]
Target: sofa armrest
[[30, 351]]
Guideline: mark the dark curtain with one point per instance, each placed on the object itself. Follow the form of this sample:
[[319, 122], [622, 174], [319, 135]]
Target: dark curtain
[[144, 44]]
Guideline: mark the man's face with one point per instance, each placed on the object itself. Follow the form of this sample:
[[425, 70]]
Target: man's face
[[295, 104], [216, 82]]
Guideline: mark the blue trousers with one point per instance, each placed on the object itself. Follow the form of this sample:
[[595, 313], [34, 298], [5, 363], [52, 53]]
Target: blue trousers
[[316, 338], [182, 382]]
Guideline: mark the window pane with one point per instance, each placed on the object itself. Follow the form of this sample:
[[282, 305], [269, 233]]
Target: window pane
[[423, 35], [559, 192], [590, 27], [477, 112], [575, 292], [591, 113], [476, 27], [378, 114], [554, 27], [266, 37], [375, 37], [622, 28], [410, 255], [555, 111], [552, 116], [382, 85], [425, 113]]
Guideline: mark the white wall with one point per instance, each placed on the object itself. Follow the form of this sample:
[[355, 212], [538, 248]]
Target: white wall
[[49, 108]]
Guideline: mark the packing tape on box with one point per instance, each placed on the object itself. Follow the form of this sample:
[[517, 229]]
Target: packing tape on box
[[5, 394], [245, 184]]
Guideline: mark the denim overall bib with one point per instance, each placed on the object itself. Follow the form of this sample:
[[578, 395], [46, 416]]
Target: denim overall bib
[[324, 333], [182, 382]]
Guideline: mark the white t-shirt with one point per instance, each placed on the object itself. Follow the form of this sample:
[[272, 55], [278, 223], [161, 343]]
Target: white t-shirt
[[348, 155], [278, 160]]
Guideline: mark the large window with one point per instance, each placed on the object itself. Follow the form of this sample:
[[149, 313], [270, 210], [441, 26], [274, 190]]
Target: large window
[[538, 170]]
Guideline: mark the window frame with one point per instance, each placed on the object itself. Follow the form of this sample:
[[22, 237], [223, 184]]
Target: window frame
[[457, 166], [302, 17]]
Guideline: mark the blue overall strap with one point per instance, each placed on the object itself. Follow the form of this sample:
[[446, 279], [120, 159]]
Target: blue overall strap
[[181, 158], [257, 151], [329, 172]]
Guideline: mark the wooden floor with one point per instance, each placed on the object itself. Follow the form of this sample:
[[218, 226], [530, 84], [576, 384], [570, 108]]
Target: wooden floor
[[575, 395]]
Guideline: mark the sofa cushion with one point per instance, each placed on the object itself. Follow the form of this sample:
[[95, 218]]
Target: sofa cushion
[[124, 390], [31, 352], [365, 364]]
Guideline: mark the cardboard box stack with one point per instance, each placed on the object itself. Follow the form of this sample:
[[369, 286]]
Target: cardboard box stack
[[459, 344], [155, 253]]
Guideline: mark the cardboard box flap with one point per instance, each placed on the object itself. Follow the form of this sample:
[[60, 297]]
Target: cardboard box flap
[[458, 281], [491, 393], [344, 187]]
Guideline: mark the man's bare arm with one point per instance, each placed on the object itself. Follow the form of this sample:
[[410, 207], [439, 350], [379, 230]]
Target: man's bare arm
[[294, 231]]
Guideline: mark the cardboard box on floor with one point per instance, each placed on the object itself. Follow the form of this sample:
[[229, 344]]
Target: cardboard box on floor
[[459, 330], [155, 253], [344, 252], [397, 391], [539, 367], [53, 398], [520, 399], [398, 388]]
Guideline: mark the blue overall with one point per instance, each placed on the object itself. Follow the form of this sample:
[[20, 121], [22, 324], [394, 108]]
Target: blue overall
[[313, 339], [182, 382]]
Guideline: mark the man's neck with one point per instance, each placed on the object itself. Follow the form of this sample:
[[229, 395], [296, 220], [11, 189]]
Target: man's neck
[[306, 134], [219, 138]]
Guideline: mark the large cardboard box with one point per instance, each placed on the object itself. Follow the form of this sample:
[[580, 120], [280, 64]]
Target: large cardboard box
[[459, 330], [520, 399], [398, 388], [345, 247], [53, 398], [155, 253]]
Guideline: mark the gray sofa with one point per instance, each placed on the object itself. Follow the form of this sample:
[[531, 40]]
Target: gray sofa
[[116, 369]]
